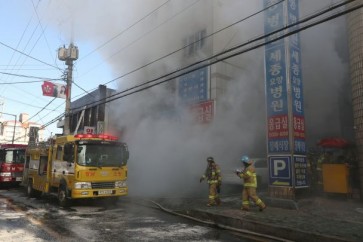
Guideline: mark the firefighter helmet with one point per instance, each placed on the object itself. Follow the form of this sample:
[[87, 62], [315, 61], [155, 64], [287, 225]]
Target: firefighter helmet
[[245, 159], [210, 159]]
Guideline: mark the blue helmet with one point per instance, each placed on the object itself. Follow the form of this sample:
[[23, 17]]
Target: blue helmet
[[245, 158]]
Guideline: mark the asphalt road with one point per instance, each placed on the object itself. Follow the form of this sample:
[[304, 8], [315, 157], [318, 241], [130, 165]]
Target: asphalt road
[[131, 219]]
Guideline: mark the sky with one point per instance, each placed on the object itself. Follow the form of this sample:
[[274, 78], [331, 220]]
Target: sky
[[29, 46], [115, 37]]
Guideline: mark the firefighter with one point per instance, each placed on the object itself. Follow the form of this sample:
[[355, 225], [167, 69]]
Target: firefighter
[[250, 184], [214, 179]]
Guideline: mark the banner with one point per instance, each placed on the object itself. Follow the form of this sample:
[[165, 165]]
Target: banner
[[51, 89], [203, 112]]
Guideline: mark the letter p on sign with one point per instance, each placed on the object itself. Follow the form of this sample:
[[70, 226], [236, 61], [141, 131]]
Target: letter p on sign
[[279, 165]]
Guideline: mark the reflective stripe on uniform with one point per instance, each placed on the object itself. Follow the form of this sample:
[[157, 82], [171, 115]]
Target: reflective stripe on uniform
[[258, 202], [250, 184]]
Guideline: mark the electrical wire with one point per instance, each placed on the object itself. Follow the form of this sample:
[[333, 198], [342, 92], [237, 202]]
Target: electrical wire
[[173, 51], [195, 42], [43, 30], [232, 49], [29, 56], [123, 31], [39, 111], [201, 65], [210, 35], [27, 76], [26, 104], [140, 37]]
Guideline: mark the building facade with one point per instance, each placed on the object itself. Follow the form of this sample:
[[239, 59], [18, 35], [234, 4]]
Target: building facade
[[17, 132], [355, 31]]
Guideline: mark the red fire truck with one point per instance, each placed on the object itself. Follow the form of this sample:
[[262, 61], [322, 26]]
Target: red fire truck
[[12, 158]]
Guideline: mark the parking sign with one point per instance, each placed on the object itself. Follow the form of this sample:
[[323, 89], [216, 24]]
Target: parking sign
[[280, 170]]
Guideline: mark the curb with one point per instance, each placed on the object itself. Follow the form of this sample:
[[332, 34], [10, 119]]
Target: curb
[[264, 228]]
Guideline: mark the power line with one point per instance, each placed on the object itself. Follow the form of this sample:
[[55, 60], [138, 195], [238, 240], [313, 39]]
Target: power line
[[283, 35], [142, 36], [43, 30], [39, 111], [198, 63], [26, 104], [27, 76], [29, 56], [160, 58], [123, 31], [14, 83], [186, 46]]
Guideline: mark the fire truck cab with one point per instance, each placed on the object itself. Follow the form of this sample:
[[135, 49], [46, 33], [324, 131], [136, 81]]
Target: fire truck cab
[[12, 158], [77, 167]]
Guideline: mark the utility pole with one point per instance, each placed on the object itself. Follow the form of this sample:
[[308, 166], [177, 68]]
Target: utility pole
[[68, 55]]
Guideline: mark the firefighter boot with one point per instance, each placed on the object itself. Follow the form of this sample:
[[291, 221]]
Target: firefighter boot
[[262, 208], [261, 205], [218, 201]]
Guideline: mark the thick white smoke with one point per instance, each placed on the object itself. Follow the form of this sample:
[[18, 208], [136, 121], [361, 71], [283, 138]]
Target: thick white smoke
[[168, 149]]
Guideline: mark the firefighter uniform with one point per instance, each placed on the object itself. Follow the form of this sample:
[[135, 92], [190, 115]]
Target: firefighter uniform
[[214, 179], [249, 188]]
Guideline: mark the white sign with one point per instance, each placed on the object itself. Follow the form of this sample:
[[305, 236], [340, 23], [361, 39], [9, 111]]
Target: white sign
[[89, 130]]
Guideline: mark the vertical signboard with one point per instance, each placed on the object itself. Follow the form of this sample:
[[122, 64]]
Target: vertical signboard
[[276, 83], [295, 78], [193, 86], [284, 97]]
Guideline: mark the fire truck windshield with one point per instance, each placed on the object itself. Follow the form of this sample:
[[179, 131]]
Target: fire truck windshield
[[12, 156], [100, 155]]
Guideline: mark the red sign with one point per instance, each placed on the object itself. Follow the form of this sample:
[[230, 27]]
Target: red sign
[[278, 126], [203, 111], [54, 90], [299, 127]]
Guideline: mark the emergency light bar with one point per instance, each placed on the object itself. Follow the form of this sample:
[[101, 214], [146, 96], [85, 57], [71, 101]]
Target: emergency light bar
[[97, 136]]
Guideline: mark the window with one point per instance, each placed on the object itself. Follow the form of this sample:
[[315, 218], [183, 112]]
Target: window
[[59, 153], [68, 153], [102, 155], [194, 42], [43, 164]]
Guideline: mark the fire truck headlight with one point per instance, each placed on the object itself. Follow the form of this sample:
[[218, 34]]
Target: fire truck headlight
[[82, 185], [120, 184], [5, 173]]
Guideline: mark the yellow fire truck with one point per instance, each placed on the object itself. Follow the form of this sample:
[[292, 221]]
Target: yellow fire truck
[[77, 167]]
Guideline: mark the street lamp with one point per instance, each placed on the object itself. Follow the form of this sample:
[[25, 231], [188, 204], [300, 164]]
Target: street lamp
[[14, 125]]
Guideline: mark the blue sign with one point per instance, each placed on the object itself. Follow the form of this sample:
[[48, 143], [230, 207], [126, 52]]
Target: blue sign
[[280, 171], [274, 20], [276, 91], [193, 86], [276, 82]]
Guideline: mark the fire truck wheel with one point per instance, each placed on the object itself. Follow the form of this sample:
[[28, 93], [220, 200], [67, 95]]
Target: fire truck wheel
[[62, 196], [30, 190]]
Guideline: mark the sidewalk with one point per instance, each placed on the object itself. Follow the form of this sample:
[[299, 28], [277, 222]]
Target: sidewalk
[[310, 219]]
